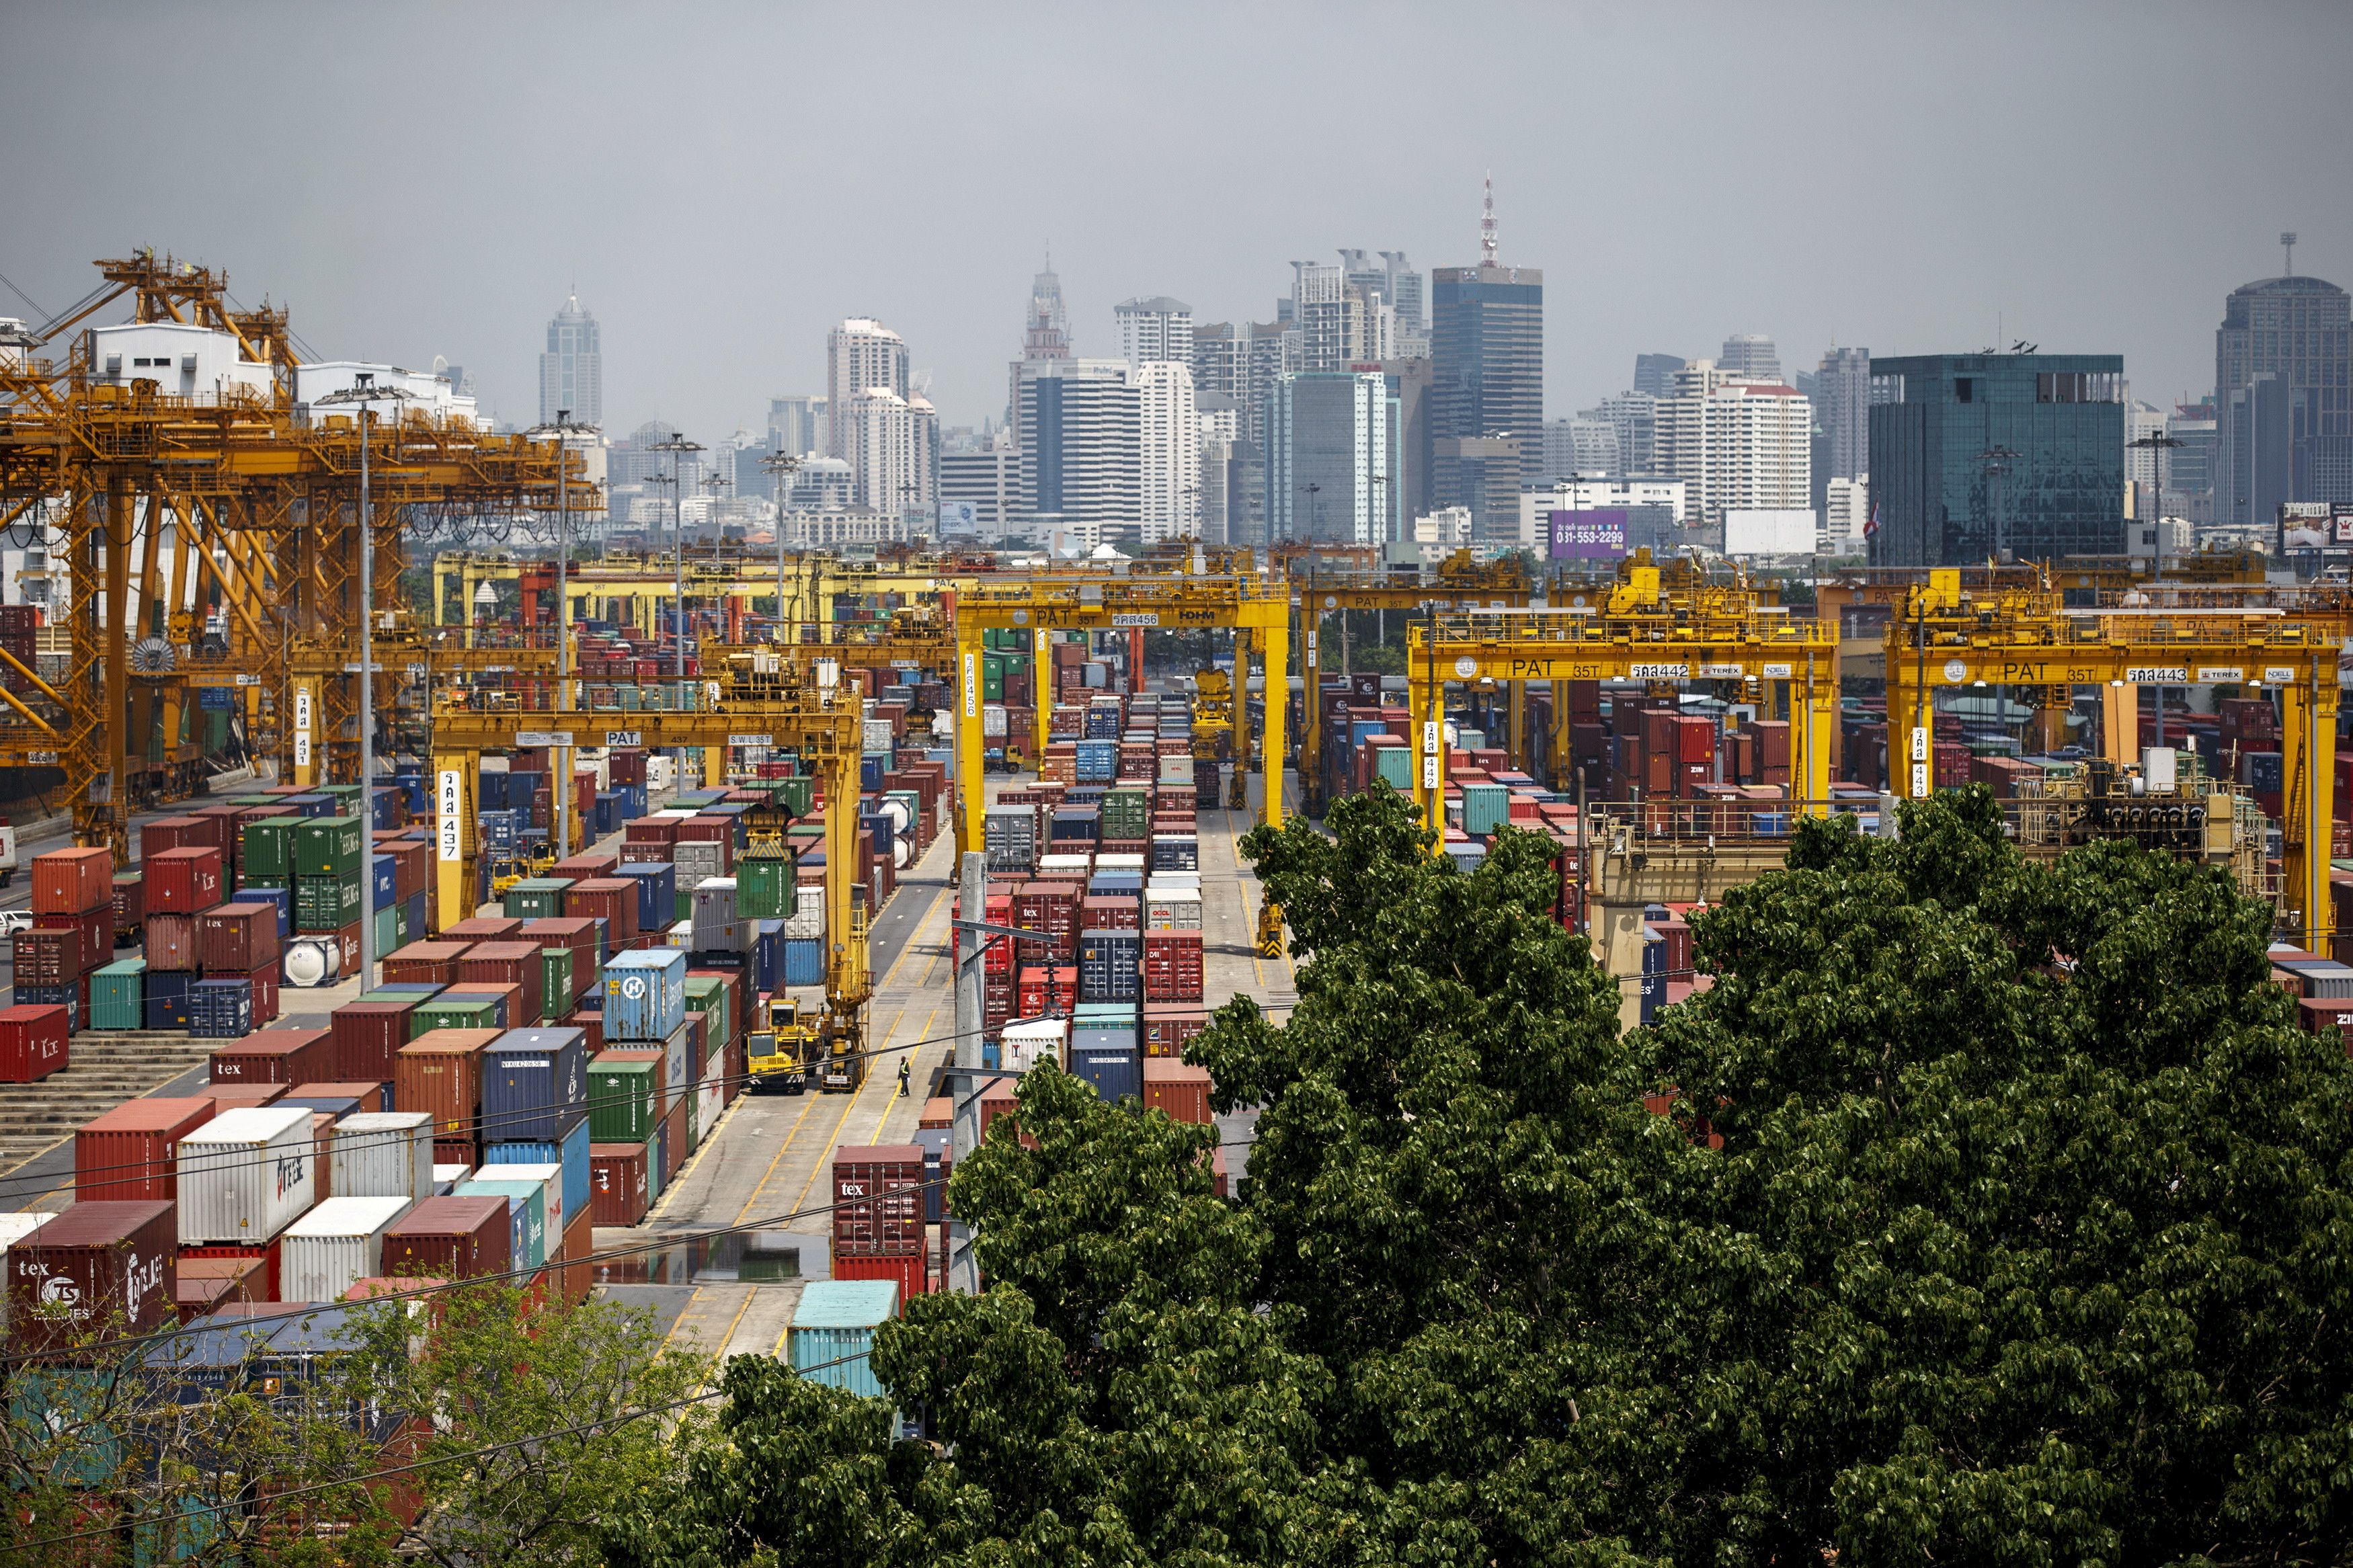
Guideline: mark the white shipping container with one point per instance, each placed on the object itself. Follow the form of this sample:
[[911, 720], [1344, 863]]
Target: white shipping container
[[334, 1246], [1172, 909], [1025, 1044], [992, 721], [1171, 880], [445, 1177], [1119, 862], [381, 1154], [710, 1100], [551, 1185], [661, 772], [246, 1175], [878, 734], [1049, 864], [13, 1228]]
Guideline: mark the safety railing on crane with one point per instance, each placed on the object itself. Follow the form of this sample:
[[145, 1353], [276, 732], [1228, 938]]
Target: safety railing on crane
[[1763, 624]]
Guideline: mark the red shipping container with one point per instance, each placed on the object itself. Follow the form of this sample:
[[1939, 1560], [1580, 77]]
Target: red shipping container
[[425, 962], [237, 939], [222, 827], [578, 1273], [367, 1036], [238, 1096], [33, 1038], [2329, 1013], [1111, 914], [674, 1138], [1180, 1089], [484, 928], [1047, 990], [1167, 1026], [130, 903], [515, 964], [907, 1268], [269, 1255], [171, 943], [71, 881], [651, 830], [591, 1026], [617, 1182], [878, 1199], [97, 1269], [456, 1152], [97, 929], [276, 1056], [440, 1073], [1172, 966], [585, 868], [450, 1239], [130, 1154], [611, 899], [46, 957], [210, 1285], [172, 833], [183, 882]]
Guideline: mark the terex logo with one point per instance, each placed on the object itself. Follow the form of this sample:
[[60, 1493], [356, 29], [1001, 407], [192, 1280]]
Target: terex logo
[[58, 1290]]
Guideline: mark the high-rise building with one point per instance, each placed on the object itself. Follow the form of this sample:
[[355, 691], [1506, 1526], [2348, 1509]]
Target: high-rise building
[[1634, 415], [1219, 419], [1242, 363], [1046, 333], [1332, 468], [2028, 448], [1735, 442], [1485, 469], [988, 480], [1486, 344], [572, 371], [1330, 316], [1168, 442], [1842, 408], [1654, 374], [1845, 516], [797, 424], [2144, 467], [1393, 278], [1410, 379], [861, 354], [1752, 357], [894, 453], [1157, 327], [1586, 444], [1082, 456], [2282, 399], [2189, 463]]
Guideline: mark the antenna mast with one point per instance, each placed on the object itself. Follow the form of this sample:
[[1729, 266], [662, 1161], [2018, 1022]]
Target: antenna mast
[[1487, 239]]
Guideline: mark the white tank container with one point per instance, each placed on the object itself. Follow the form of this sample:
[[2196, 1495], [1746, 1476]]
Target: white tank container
[[382, 1155], [246, 1175], [334, 1246]]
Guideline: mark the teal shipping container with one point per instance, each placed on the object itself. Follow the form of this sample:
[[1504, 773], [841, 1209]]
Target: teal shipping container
[[833, 1331]]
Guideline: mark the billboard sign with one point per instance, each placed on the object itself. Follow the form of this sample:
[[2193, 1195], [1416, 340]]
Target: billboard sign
[[1781, 531], [1596, 535]]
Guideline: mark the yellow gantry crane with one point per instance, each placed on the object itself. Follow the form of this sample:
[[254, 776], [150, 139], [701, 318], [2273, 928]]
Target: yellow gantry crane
[[1950, 639], [1666, 627], [1254, 608], [260, 507], [751, 704]]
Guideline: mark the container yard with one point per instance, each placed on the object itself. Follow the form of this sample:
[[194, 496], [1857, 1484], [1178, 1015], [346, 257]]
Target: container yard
[[619, 951]]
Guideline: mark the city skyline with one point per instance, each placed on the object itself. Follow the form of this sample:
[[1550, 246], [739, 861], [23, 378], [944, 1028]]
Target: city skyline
[[2042, 223]]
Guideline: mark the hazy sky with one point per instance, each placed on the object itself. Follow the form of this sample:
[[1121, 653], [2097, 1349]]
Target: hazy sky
[[725, 183]]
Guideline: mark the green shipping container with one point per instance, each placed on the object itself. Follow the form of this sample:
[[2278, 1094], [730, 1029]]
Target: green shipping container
[[799, 795], [1127, 814], [325, 903], [620, 1101], [557, 993], [387, 930], [707, 994], [118, 995], [463, 1013], [1394, 764], [403, 936], [330, 847], [992, 679], [763, 887], [268, 856], [537, 899]]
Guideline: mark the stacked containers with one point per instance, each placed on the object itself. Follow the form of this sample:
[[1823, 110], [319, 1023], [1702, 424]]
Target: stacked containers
[[1104, 1050], [245, 1176], [330, 886], [73, 931], [535, 1110], [452, 1238], [336, 1246], [879, 1213], [238, 944], [645, 1005], [131, 1152], [440, 1074], [96, 1269]]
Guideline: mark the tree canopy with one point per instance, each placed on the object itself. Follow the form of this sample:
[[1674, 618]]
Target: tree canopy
[[2021, 1240]]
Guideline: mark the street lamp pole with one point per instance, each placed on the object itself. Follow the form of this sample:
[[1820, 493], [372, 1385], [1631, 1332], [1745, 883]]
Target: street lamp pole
[[781, 466], [364, 391], [562, 429], [678, 446]]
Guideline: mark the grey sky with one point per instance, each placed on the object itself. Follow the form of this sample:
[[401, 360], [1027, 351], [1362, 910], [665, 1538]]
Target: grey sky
[[725, 182]]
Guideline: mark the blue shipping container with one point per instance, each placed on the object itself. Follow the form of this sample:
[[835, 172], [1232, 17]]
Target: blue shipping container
[[526, 1216], [279, 899], [571, 1151], [604, 816], [645, 994], [657, 883], [1115, 1069], [220, 1009], [386, 889], [533, 1082], [804, 960], [833, 1331], [767, 954]]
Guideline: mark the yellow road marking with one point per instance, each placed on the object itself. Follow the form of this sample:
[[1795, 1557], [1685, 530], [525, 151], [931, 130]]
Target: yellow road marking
[[728, 1338]]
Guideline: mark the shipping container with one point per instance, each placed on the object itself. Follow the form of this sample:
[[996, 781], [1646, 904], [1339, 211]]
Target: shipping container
[[183, 881], [337, 1245], [624, 1097], [72, 881], [619, 1188], [1178, 1088], [331, 846], [878, 1199], [130, 1154], [568, 1154], [526, 1215], [645, 994], [534, 1084], [452, 1238], [96, 1271], [246, 1175], [383, 1155], [440, 1074], [368, 1035], [833, 1331], [278, 1055], [33, 1041], [237, 938]]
